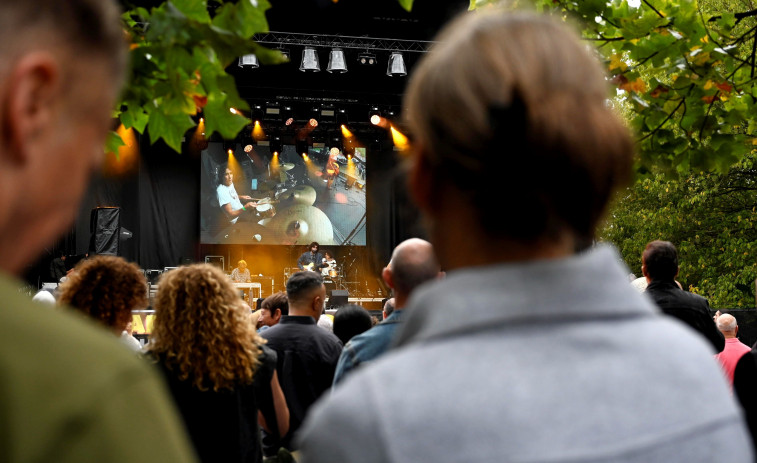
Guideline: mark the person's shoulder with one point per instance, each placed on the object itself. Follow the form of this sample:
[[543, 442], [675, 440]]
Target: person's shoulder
[[60, 341], [60, 368]]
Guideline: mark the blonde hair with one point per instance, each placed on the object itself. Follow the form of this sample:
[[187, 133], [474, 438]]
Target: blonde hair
[[242, 262], [513, 105], [202, 329]]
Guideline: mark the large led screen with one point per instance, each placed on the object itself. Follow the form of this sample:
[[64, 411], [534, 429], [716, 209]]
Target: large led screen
[[255, 197]]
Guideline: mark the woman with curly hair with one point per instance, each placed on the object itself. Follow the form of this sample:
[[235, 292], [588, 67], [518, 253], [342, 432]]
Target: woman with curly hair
[[222, 377], [107, 288]]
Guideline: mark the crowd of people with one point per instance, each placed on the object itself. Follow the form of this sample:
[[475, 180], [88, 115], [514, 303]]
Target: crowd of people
[[530, 346]]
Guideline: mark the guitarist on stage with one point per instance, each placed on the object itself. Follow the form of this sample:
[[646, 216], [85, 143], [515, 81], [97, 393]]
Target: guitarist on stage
[[312, 259]]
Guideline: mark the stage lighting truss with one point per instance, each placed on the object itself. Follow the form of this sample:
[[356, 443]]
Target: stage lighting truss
[[338, 45]]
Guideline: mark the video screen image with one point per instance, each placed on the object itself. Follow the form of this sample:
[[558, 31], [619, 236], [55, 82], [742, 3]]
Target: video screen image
[[259, 197]]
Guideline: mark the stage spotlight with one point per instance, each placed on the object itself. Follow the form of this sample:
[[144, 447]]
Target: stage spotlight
[[345, 131], [249, 61], [341, 116], [310, 60], [374, 115], [396, 65], [257, 132], [313, 123], [257, 113], [286, 115], [275, 145], [334, 151], [368, 59], [399, 139], [247, 148], [336, 61], [302, 147]]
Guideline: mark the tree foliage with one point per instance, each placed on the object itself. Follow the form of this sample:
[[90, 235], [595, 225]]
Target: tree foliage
[[179, 54], [711, 219], [687, 72]]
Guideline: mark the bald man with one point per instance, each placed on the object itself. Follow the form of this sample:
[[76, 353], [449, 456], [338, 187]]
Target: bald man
[[734, 349], [413, 263]]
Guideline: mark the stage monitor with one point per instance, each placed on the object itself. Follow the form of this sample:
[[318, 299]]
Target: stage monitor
[[338, 298], [218, 261], [260, 197]]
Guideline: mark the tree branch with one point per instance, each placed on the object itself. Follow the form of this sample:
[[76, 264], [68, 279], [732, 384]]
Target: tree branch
[[754, 49], [646, 2], [706, 116], [662, 123], [738, 16]]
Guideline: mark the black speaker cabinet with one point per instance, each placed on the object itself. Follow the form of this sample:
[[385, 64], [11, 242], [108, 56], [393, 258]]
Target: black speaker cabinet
[[105, 226], [338, 298]]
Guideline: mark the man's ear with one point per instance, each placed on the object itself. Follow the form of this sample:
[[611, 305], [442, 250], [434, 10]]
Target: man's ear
[[317, 304], [677, 270], [28, 102], [386, 274]]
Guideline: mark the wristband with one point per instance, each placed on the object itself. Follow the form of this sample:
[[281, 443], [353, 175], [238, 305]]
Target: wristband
[[243, 208]]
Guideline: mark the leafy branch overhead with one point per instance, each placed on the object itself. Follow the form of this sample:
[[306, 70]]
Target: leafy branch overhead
[[179, 52], [684, 73]]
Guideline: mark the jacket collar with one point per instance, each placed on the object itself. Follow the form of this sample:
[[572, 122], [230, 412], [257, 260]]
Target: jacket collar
[[590, 285]]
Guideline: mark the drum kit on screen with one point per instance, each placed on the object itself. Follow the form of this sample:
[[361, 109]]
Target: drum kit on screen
[[286, 217]]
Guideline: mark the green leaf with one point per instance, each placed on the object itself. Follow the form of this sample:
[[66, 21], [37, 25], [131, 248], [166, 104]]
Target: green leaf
[[135, 117], [193, 9], [219, 118], [406, 4], [242, 19], [112, 142], [171, 128]]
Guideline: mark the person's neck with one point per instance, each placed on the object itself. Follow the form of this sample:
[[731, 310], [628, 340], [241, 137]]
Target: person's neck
[[460, 249], [300, 312], [729, 335]]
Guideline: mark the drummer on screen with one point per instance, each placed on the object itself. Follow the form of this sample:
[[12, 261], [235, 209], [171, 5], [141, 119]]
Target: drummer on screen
[[229, 200], [330, 269]]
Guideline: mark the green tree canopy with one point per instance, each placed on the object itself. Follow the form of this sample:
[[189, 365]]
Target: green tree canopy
[[710, 217]]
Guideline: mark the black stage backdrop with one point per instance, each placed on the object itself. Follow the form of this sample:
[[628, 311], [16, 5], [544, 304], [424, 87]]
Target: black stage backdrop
[[160, 204]]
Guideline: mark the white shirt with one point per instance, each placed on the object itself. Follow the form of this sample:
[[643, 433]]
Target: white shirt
[[226, 195]]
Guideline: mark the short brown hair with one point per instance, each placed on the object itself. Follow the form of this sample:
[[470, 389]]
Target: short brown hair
[[511, 109], [661, 260], [85, 27], [107, 288], [276, 301]]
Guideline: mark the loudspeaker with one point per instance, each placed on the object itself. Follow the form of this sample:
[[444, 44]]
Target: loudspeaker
[[338, 298], [105, 227]]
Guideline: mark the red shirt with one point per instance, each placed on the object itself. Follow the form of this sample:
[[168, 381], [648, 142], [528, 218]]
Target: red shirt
[[731, 354]]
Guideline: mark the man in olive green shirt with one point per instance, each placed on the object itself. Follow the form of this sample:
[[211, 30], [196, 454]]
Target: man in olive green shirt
[[69, 391]]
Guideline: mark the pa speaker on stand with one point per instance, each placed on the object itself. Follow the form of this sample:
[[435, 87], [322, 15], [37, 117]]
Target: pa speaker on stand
[[105, 227]]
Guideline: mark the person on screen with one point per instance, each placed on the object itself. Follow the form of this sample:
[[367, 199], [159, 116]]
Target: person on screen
[[331, 171], [229, 200], [311, 259], [241, 274], [330, 262]]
